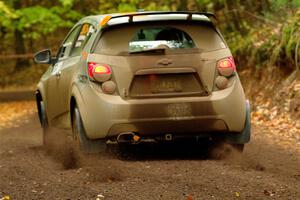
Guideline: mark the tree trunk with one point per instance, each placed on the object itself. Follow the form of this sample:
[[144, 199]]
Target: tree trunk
[[21, 63], [182, 5], [20, 49]]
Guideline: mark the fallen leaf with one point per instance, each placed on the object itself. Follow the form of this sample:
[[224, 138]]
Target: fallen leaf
[[269, 193], [190, 197]]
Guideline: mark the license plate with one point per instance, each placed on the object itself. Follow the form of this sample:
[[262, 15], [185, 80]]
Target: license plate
[[166, 86]]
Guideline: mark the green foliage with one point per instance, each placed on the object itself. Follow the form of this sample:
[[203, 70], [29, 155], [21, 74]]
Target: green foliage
[[5, 11], [6, 15], [36, 21], [268, 44], [115, 6], [118, 6], [260, 33], [282, 4], [67, 3], [296, 3]]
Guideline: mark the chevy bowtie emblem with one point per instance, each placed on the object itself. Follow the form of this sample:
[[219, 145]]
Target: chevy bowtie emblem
[[165, 61]]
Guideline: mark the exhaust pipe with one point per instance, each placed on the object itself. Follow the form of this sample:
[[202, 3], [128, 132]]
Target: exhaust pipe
[[128, 137], [168, 137]]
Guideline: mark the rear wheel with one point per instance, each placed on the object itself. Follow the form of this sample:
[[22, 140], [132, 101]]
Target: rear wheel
[[85, 144]]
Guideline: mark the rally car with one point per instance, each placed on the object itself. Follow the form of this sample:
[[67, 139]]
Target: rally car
[[143, 77]]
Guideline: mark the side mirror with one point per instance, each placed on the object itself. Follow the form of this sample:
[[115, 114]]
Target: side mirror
[[43, 57]]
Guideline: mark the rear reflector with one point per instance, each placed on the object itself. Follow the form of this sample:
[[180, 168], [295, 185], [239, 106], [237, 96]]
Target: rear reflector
[[221, 82], [109, 87]]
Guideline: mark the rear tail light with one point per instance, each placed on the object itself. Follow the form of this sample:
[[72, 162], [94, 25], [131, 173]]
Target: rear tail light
[[226, 66], [102, 73], [99, 72]]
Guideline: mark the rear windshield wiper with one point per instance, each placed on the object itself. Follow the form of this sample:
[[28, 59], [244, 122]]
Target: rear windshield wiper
[[153, 50]]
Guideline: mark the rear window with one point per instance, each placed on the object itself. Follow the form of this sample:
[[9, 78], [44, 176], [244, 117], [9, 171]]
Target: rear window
[[143, 36], [148, 38]]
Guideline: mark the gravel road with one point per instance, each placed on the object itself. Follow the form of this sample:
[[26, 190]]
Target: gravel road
[[266, 170]]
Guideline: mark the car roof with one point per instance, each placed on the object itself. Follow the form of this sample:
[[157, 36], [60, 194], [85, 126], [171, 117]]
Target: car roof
[[149, 16]]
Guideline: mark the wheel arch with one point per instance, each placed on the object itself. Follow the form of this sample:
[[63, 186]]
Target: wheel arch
[[245, 136]]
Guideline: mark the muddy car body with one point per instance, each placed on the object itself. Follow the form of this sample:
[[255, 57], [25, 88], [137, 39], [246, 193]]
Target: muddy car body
[[146, 76]]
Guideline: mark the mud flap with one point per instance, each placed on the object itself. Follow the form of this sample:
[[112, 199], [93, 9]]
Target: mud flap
[[244, 136], [88, 145]]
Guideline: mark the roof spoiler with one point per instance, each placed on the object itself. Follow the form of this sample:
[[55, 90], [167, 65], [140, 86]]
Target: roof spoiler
[[131, 15]]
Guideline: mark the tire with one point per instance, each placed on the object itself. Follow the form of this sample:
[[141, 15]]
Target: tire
[[85, 144], [44, 124]]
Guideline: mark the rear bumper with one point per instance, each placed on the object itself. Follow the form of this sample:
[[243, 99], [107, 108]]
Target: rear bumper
[[107, 115], [167, 126]]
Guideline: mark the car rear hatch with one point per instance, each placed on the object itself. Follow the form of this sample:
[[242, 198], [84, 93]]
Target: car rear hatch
[[146, 65], [166, 76]]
